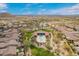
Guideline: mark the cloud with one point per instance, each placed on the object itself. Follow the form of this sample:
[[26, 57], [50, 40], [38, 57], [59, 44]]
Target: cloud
[[42, 12], [3, 7], [68, 10], [28, 13], [3, 11], [73, 10]]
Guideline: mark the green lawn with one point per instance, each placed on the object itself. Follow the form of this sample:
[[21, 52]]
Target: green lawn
[[36, 51], [25, 38]]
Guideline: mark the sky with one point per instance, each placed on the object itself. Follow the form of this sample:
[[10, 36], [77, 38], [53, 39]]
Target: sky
[[40, 8]]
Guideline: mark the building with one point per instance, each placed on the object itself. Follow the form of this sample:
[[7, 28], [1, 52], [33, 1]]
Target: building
[[8, 43]]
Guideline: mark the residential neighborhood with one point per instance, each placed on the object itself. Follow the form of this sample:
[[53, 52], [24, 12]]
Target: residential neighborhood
[[39, 29], [23, 37]]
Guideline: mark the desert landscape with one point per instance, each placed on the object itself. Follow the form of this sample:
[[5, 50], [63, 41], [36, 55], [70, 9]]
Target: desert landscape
[[39, 35]]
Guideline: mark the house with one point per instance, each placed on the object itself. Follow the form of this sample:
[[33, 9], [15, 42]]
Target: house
[[8, 44]]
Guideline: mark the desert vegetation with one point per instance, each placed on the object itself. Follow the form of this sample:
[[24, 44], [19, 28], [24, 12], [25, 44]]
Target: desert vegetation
[[63, 35]]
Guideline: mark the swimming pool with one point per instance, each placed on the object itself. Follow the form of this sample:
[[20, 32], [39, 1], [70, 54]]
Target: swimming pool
[[41, 37]]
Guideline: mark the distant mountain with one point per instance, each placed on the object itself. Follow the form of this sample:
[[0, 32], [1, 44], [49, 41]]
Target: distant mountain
[[6, 15]]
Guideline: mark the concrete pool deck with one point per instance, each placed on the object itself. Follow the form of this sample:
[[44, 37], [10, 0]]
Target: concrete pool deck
[[41, 36]]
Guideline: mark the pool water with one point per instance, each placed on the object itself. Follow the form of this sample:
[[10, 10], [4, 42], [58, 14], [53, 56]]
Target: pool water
[[41, 38]]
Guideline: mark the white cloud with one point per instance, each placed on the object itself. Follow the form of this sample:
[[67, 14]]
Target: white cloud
[[3, 7], [69, 11], [27, 13], [3, 11], [73, 10]]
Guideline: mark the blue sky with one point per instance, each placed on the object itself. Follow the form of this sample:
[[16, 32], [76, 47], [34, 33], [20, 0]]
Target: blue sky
[[40, 8]]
